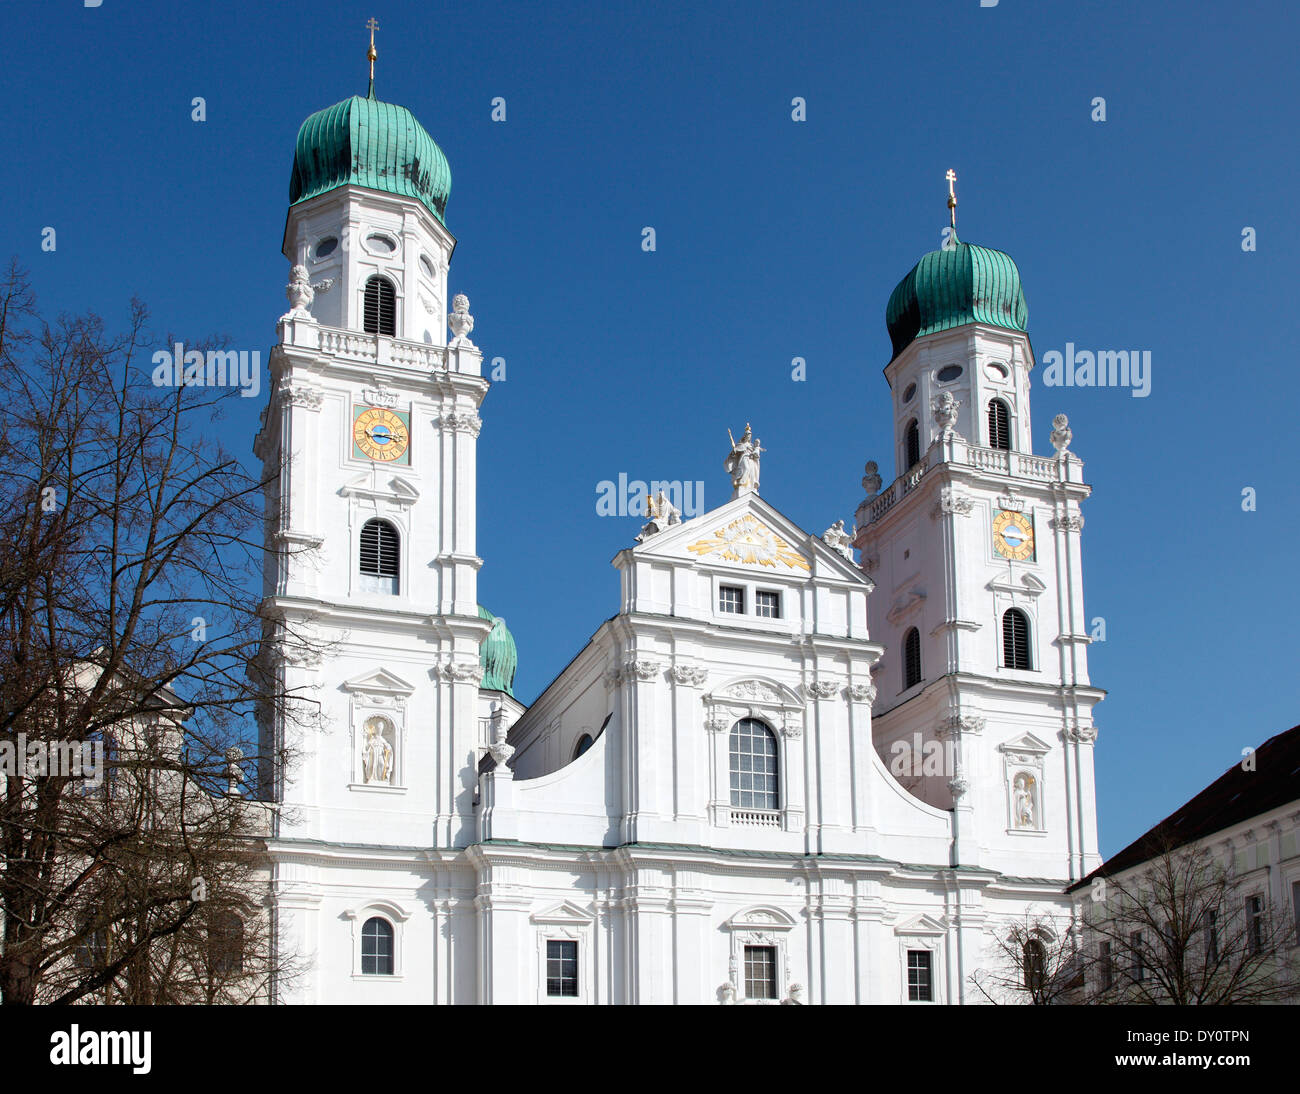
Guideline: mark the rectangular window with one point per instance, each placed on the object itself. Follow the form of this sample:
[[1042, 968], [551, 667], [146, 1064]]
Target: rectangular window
[[1107, 967], [1211, 936], [731, 599], [1255, 923], [561, 968], [767, 604], [920, 985], [1139, 965], [760, 972], [1295, 910]]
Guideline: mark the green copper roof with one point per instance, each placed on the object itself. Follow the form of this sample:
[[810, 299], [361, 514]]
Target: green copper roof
[[498, 655], [950, 288], [364, 142]]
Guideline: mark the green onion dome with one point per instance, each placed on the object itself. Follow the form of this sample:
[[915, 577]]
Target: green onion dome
[[363, 142], [949, 288], [498, 655]]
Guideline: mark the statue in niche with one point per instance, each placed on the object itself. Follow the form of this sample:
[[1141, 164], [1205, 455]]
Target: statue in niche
[[742, 464], [376, 753], [1022, 799]]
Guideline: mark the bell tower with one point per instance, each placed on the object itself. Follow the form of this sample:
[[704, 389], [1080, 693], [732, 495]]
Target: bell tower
[[984, 704], [369, 440]]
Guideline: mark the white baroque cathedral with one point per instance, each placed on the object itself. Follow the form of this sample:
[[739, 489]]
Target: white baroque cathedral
[[775, 774]]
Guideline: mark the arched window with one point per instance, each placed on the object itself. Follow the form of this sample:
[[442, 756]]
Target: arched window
[[1015, 640], [999, 425], [380, 314], [911, 658], [754, 766], [584, 743], [912, 444], [1035, 962], [226, 944], [377, 947], [381, 552]]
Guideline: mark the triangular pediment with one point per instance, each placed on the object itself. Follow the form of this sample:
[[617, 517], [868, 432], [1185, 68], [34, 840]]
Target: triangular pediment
[[379, 681], [749, 534], [1026, 742], [565, 913], [920, 925]]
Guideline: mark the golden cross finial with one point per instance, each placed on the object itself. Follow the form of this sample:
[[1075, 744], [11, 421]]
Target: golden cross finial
[[371, 54], [951, 176]]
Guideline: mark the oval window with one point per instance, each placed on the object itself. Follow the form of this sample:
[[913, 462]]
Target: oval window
[[326, 246], [427, 267], [382, 243], [909, 393], [995, 371], [948, 374]]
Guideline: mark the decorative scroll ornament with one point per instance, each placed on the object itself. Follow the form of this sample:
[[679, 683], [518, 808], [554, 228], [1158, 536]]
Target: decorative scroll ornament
[[301, 292], [862, 693], [460, 322], [459, 671], [1067, 522], [824, 689], [691, 675], [461, 421], [304, 395], [747, 540], [639, 669], [951, 500], [955, 725]]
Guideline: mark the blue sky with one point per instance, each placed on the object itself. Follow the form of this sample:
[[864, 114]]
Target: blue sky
[[775, 240]]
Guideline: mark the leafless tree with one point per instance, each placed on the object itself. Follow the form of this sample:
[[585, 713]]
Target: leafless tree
[[1180, 929], [131, 551], [1034, 960]]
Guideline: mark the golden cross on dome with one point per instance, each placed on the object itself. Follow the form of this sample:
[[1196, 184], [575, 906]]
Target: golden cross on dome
[[371, 54], [951, 176]]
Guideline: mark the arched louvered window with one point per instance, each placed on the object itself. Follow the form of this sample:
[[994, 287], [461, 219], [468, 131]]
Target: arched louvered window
[[377, 947], [754, 772], [911, 658], [1015, 639], [912, 444], [381, 554], [380, 313], [999, 425]]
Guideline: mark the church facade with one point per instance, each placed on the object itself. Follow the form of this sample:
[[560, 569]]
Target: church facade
[[781, 771]]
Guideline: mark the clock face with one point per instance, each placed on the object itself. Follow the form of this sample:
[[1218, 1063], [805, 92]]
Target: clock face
[[380, 434], [1013, 535]]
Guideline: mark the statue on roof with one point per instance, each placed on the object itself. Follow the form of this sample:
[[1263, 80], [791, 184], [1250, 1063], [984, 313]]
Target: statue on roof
[[742, 464], [662, 513]]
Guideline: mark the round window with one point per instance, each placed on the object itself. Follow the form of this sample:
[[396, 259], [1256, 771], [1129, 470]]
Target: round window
[[948, 374], [910, 393], [995, 371], [382, 243], [427, 267], [326, 246]]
